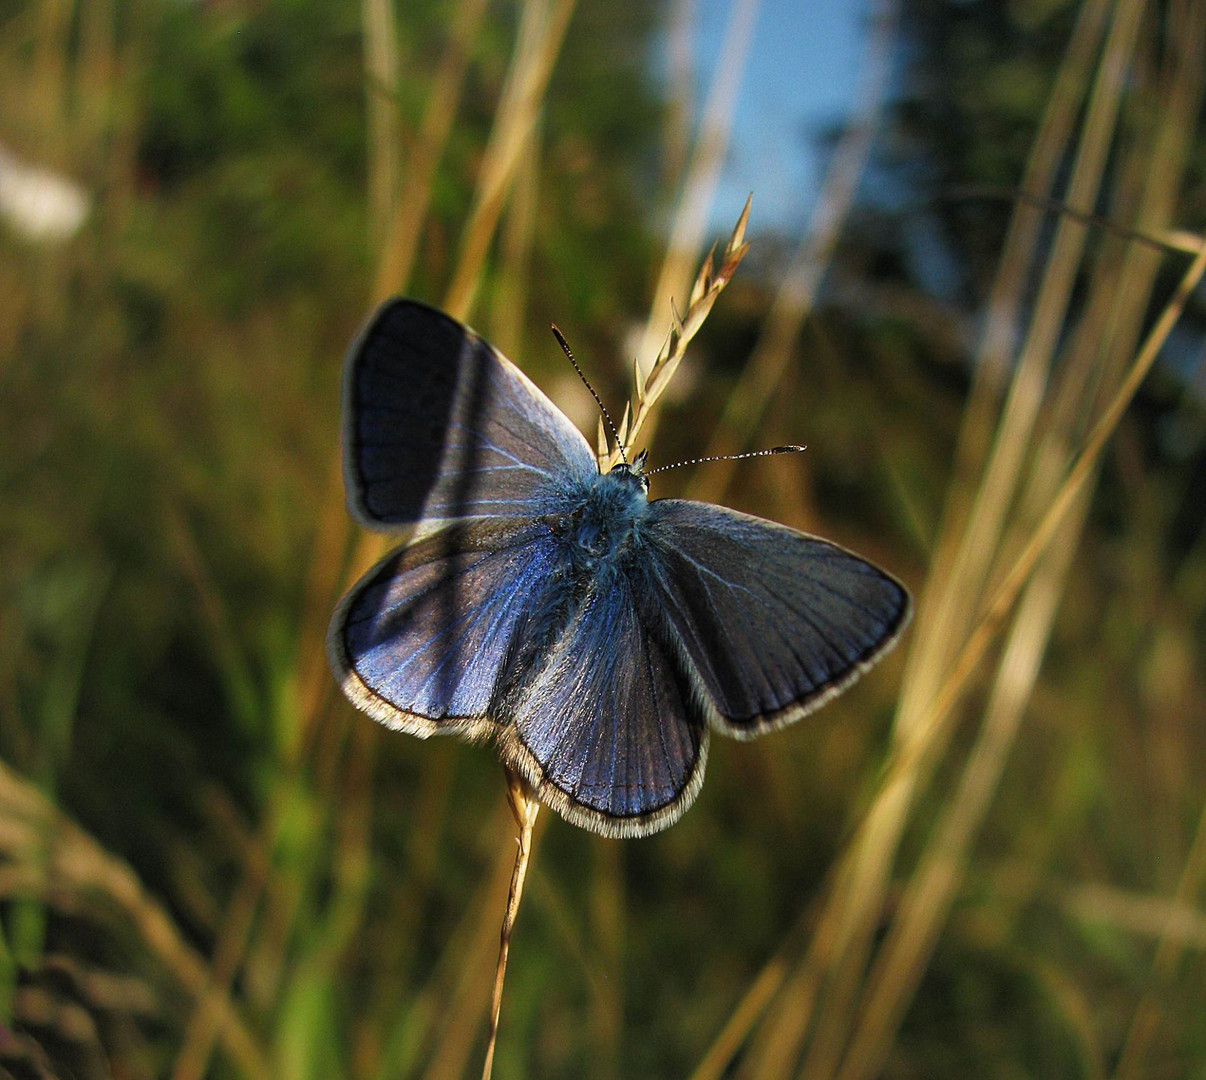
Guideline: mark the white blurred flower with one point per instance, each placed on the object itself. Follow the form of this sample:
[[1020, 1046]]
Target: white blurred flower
[[38, 203]]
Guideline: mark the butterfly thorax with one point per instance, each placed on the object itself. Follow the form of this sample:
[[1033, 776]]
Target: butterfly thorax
[[601, 525]]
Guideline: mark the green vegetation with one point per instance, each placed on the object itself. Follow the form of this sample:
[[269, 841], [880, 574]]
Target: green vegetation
[[210, 865]]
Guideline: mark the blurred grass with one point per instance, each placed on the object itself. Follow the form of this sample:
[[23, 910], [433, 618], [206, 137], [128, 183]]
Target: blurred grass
[[210, 866]]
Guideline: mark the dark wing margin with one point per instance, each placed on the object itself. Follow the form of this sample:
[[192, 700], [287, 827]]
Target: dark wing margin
[[605, 728], [439, 426], [421, 641], [773, 622]]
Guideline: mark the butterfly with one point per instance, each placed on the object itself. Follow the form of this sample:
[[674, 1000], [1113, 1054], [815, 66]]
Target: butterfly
[[594, 635]]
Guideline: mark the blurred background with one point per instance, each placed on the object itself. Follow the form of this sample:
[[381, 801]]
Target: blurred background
[[986, 859]]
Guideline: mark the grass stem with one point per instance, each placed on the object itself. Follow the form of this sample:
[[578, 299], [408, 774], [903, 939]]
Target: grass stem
[[525, 808]]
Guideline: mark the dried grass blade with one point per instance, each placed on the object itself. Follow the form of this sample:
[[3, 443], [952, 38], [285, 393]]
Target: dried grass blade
[[797, 293], [708, 287], [413, 199], [921, 739], [525, 807], [1119, 297], [1007, 592], [902, 959], [79, 866], [384, 125], [542, 29], [703, 171]]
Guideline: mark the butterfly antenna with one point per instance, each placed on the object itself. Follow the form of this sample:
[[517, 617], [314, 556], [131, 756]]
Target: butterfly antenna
[[792, 449], [615, 434]]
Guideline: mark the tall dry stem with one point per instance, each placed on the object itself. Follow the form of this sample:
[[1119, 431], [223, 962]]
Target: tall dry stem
[[702, 175], [412, 200], [384, 124], [979, 539], [542, 28], [680, 92], [524, 808], [509, 303], [854, 891], [861, 871], [1117, 303], [456, 1019], [709, 283], [937, 721], [797, 291], [77, 866]]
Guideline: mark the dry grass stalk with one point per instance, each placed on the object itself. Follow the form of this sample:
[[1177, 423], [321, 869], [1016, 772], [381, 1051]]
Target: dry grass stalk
[[457, 1002], [353, 846], [509, 300], [787, 1012], [991, 365], [1168, 956], [1070, 490], [915, 928], [703, 173], [709, 283], [921, 739], [412, 200], [441, 1016], [541, 35], [680, 91], [384, 125], [978, 538], [525, 808], [797, 292], [732, 1036], [77, 866], [1118, 301], [1002, 600], [541, 30], [775, 1046], [207, 1021], [1141, 914], [605, 930], [426, 834]]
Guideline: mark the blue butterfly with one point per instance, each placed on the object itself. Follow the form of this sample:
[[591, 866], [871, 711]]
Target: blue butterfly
[[595, 636]]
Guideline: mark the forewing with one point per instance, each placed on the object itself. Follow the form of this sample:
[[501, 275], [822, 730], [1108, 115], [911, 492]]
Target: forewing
[[604, 727], [421, 640], [773, 621], [439, 426]]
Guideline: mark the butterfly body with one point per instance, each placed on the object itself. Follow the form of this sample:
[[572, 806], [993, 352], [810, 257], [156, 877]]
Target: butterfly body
[[602, 529], [597, 636]]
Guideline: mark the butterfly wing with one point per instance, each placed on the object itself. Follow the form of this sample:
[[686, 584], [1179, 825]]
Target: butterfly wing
[[604, 726], [439, 427], [774, 622], [421, 642]]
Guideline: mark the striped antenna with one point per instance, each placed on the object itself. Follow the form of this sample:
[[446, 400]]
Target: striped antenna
[[598, 401], [792, 449]]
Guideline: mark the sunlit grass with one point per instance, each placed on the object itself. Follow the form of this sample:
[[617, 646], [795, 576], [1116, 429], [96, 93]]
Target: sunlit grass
[[209, 865]]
